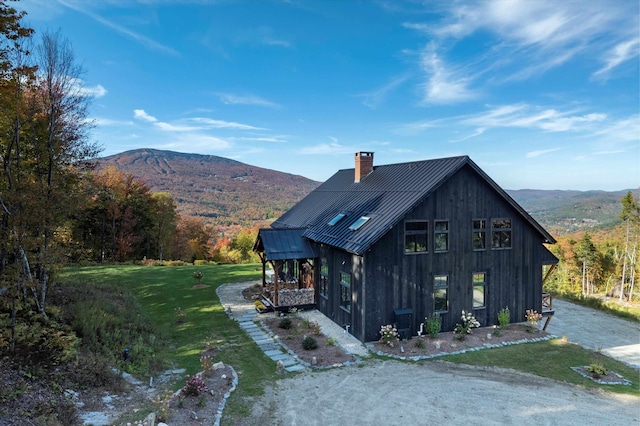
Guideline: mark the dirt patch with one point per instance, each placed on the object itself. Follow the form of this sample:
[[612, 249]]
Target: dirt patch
[[326, 354], [446, 343], [200, 286]]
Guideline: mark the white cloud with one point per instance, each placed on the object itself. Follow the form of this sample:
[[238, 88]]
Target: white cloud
[[142, 115], [443, 85], [167, 127], [527, 116], [197, 143], [376, 97], [327, 148], [273, 139], [477, 132], [146, 41], [110, 122], [534, 36], [229, 98], [622, 52], [533, 154], [221, 124]]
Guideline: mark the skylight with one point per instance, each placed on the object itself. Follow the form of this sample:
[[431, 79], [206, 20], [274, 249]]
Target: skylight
[[336, 219], [358, 223]]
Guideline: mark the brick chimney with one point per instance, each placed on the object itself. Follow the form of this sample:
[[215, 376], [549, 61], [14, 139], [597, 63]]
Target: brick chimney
[[364, 165]]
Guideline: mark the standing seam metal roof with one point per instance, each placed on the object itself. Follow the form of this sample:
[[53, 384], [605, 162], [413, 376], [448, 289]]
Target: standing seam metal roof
[[386, 195]]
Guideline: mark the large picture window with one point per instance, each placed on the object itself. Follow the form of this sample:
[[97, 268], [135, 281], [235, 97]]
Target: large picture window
[[500, 233], [479, 286], [440, 293], [324, 278], [415, 236], [441, 235], [345, 291], [479, 234]]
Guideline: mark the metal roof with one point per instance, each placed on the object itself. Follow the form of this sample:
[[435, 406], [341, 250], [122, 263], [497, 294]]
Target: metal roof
[[283, 244], [386, 195]]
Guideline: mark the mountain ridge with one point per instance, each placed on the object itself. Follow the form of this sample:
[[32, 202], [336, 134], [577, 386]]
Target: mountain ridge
[[230, 194]]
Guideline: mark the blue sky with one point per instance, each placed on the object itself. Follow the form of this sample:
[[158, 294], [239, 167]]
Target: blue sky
[[540, 94]]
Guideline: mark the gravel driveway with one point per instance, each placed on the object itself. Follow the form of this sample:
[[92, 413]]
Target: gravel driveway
[[402, 393]]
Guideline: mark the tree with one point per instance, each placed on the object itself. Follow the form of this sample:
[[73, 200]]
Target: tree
[[586, 253], [630, 214], [164, 228]]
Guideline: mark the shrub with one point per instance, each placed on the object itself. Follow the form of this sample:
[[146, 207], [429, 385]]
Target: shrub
[[285, 323], [597, 369], [309, 343], [200, 262], [504, 316], [433, 324], [331, 341], [420, 344], [194, 386]]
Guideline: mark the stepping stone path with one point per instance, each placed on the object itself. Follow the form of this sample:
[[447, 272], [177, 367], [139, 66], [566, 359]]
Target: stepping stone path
[[244, 312], [265, 342]]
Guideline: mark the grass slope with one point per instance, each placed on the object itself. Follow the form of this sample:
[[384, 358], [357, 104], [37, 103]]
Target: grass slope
[[160, 290]]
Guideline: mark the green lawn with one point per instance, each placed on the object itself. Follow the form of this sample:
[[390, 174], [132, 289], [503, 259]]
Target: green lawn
[[161, 290], [552, 359]]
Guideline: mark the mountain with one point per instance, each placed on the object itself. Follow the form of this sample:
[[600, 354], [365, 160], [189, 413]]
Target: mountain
[[226, 193], [562, 212]]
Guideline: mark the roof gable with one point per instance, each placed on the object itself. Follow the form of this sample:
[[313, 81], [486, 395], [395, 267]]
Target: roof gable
[[385, 196]]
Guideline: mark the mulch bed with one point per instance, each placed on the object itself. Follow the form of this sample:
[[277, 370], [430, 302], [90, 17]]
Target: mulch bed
[[446, 343], [326, 354]]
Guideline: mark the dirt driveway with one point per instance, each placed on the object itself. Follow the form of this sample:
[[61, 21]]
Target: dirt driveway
[[400, 393]]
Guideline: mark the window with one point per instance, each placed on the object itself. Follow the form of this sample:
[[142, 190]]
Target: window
[[324, 278], [415, 236], [358, 223], [479, 234], [440, 290], [479, 280], [441, 235], [501, 233], [336, 219], [345, 291]]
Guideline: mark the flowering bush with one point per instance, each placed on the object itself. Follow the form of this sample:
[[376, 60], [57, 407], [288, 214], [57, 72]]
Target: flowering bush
[[532, 317], [389, 335], [194, 386], [468, 322]]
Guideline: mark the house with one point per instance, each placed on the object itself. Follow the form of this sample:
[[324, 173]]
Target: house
[[377, 245]]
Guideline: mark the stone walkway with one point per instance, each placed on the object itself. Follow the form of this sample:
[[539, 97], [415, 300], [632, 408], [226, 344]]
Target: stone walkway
[[244, 312]]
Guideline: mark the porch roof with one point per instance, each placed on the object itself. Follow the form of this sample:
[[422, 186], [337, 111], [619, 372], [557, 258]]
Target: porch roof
[[284, 244]]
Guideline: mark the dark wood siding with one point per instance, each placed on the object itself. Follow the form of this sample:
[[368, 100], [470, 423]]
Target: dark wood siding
[[338, 261], [394, 280]]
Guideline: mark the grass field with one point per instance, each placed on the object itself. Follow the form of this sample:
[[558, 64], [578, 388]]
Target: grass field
[[162, 292]]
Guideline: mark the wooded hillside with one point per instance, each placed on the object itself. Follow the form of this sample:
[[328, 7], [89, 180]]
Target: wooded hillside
[[226, 193]]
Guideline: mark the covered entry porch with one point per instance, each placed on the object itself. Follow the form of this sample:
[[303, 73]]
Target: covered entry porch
[[288, 269]]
